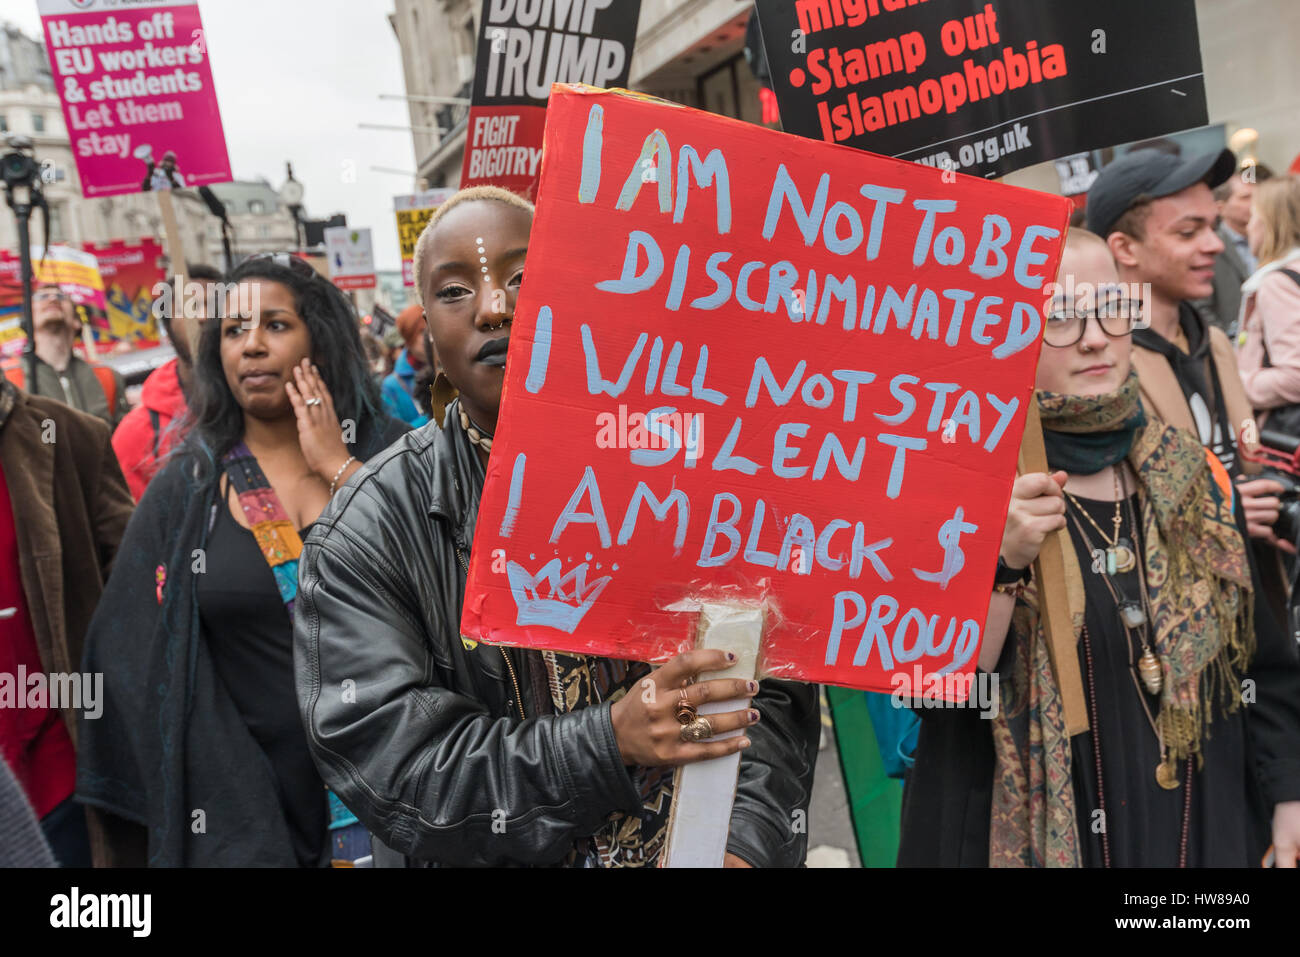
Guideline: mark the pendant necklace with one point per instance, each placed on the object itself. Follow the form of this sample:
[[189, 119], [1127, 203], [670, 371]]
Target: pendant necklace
[[1148, 665], [1133, 616], [1120, 556], [1185, 827]]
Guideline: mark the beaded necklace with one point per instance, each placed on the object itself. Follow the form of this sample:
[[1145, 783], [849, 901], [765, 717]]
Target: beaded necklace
[[1166, 770]]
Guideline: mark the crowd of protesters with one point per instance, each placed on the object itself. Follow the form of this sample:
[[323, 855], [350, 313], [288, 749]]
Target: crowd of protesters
[[291, 508]]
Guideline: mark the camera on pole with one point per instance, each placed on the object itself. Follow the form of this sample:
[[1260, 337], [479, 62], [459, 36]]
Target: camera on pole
[[21, 174]]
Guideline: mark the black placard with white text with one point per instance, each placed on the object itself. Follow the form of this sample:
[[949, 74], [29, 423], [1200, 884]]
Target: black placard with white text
[[984, 87], [524, 46]]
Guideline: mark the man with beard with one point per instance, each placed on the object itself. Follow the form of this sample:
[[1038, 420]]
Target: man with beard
[[61, 374], [1236, 263]]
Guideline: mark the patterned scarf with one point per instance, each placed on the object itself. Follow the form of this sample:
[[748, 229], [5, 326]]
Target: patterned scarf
[[624, 840], [1199, 585], [267, 519], [1084, 436], [281, 547]]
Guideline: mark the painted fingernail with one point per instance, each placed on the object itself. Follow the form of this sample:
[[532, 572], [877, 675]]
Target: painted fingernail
[[753, 717], [731, 656]]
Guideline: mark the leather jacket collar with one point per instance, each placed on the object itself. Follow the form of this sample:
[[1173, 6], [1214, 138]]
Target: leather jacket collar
[[458, 480]]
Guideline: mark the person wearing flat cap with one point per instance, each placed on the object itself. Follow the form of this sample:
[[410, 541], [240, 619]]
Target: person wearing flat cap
[[1157, 213]]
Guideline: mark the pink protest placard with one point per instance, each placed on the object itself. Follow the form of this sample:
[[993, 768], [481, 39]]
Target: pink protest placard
[[137, 94]]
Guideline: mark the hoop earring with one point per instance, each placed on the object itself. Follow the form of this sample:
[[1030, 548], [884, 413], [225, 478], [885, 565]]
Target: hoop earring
[[441, 393]]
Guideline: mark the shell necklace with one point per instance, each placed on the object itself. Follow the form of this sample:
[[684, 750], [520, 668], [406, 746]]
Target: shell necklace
[[476, 435]]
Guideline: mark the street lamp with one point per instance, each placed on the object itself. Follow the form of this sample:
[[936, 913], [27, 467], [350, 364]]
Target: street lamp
[[291, 195]]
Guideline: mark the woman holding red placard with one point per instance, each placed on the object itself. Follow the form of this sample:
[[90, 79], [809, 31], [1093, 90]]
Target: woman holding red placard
[[1192, 690], [456, 753]]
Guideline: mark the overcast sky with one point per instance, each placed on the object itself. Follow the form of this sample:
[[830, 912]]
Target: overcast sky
[[294, 78]]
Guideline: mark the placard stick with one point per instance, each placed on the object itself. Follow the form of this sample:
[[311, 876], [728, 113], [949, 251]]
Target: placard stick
[[1049, 573], [88, 340], [182, 321], [703, 792]]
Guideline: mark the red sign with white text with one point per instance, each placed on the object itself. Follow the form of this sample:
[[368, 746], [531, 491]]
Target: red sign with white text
[[503, 147], [750, 366]]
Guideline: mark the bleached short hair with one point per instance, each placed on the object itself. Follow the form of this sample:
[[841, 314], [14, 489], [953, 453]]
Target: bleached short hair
[[473, 194]]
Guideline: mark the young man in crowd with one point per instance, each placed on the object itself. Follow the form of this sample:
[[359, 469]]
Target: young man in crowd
[[63, 509], [1236, 263], [150, 431], [60, 373], [1157, 213]]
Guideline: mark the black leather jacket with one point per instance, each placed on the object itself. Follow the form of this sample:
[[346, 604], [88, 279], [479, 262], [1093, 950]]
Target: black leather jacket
[[420, 733]]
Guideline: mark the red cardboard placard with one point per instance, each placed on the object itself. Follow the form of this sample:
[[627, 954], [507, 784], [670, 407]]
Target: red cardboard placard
[[745, 365]]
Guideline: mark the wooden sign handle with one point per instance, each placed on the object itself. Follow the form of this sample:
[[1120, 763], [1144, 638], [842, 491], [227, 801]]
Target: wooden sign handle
[[184, 323], [1049, 574], [704, 792]]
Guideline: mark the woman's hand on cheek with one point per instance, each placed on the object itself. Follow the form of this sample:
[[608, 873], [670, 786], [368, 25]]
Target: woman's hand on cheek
[[319, 434]]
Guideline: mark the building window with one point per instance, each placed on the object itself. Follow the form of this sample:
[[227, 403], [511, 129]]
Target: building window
[[38, 122], [56, 223], [717, 91], [257, 207], [4, 123], [264, 231]]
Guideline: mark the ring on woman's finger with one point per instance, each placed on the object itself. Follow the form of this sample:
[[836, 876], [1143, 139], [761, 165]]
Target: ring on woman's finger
[[697, 730], [315, 400], [685, 710]]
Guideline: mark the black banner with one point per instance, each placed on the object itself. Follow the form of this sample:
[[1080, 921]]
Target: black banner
[[523, 47], [526, 45], [984, 87]]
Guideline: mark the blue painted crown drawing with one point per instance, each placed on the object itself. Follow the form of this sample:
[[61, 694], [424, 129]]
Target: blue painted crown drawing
[[569, 596]]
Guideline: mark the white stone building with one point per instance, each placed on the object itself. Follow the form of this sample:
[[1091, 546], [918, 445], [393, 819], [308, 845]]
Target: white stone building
[[689, 51]]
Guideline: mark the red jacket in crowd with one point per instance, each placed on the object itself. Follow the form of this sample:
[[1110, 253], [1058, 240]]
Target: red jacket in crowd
[[145, 437]]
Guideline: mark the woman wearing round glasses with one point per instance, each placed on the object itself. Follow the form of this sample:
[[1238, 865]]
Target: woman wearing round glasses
[[1178, 766], [199, 739]]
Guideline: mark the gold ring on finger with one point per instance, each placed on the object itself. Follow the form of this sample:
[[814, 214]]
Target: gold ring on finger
[[697, 730], [685, 710]]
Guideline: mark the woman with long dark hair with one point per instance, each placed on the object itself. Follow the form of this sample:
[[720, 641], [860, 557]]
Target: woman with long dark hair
[[199, 740]]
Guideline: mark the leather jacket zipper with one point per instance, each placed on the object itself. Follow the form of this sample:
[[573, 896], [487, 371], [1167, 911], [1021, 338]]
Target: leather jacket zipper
[[514, 680]]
